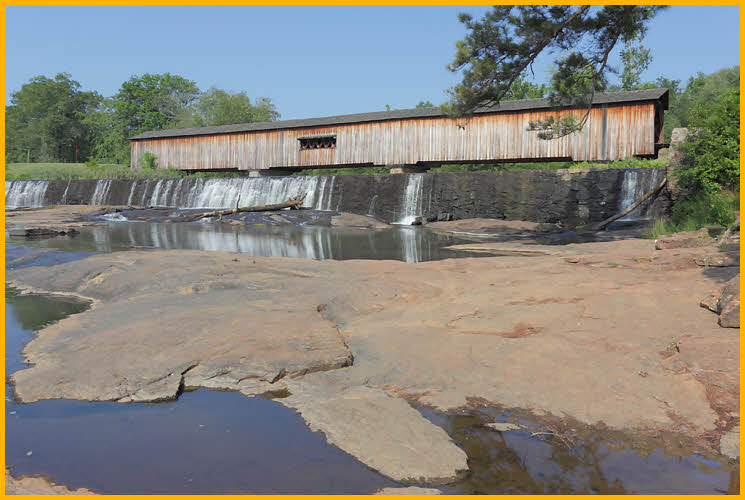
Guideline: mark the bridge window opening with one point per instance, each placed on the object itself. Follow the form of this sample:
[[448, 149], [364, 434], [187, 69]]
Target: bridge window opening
[[325, 142]]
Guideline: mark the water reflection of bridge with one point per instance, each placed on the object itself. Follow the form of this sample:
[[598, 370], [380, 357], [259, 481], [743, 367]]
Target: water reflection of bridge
[[405, 244]]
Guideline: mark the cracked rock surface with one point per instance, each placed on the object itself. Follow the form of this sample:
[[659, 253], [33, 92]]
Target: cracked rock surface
[[582, 331], [163, 322], [31, 485], [381, 431]]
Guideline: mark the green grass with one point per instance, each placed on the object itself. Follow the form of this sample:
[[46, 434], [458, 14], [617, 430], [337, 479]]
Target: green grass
[[497, 167], [69, 171], [664, 226], [344, 171], [696, 211]]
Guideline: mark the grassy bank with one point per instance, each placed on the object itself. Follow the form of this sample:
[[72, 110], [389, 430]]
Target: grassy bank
[[694, 212], [69, 171], [498, 167]]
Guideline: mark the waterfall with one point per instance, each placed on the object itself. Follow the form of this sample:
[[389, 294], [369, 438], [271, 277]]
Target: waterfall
[[156, 191], [412, 199], [371, 210], [99, 194], [64, 195], [224, 192], [25, 193], [207, 193], [131, 192], [636, 183]]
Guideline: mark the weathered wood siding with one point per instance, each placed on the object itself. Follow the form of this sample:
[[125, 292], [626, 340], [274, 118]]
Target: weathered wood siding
[[612, 132]]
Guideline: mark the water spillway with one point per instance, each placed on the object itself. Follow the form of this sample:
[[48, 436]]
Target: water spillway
[[411, 206], [636, 184], [25, 193], [572, 196]]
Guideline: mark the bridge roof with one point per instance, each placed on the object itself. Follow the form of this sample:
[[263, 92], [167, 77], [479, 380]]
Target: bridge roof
[[403, 114]]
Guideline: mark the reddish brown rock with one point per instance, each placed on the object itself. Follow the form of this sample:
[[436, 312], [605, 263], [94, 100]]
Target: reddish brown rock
[[729, 304], [718, 259], [688, 239], [28, 485], [726, 303]]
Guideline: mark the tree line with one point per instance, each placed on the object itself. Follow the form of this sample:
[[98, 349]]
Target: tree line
[[54, 120]]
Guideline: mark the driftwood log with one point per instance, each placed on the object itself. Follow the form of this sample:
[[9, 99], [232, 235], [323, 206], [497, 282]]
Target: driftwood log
[[631, 207], [735, 226], [292, 203]]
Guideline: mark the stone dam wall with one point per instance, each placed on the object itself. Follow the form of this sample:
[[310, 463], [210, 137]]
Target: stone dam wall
[[573, 197]]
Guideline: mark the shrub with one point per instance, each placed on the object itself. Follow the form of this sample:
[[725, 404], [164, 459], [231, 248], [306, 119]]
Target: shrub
[[92, 163], [696, 211], [701, 210], [713, 153], [148, 161]]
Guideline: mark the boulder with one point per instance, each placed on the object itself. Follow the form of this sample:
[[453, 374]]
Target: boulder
[[726, 303], [718, 259], [354, 220], [729, 444], [700, 238], [729, 304], [35, 232]]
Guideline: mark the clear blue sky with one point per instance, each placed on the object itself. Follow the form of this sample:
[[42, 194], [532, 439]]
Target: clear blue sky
[[311, 61]]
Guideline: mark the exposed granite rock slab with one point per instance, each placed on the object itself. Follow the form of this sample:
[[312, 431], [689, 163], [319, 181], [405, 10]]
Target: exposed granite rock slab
[[353, 220], [410, 490], [690, 239], [441, 332], [729, 444], [718, 259], [38, 232], [726, 303], [153, 330], [381, 431], [32, 485]]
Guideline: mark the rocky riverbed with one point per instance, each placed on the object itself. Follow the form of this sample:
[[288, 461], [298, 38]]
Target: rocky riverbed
[[608, 334]]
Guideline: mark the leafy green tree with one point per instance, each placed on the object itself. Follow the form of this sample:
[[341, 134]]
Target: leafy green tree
[[425, 104], [108, 135], [636, 59], [152, 102], [523, 89], [48, 115], [507, 40], [713, 153], [700, 90], [219, 107]]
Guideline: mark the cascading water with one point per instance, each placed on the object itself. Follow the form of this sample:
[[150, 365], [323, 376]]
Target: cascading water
[[213, 193], [223, 193], [102, 189], [636, 183], [25, 193], [412, 199], [226, 192], [371, 210], [64, 195]]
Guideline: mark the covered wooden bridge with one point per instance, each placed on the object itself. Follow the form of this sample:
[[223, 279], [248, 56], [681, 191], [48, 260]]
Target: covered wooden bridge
[[620, 125]]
